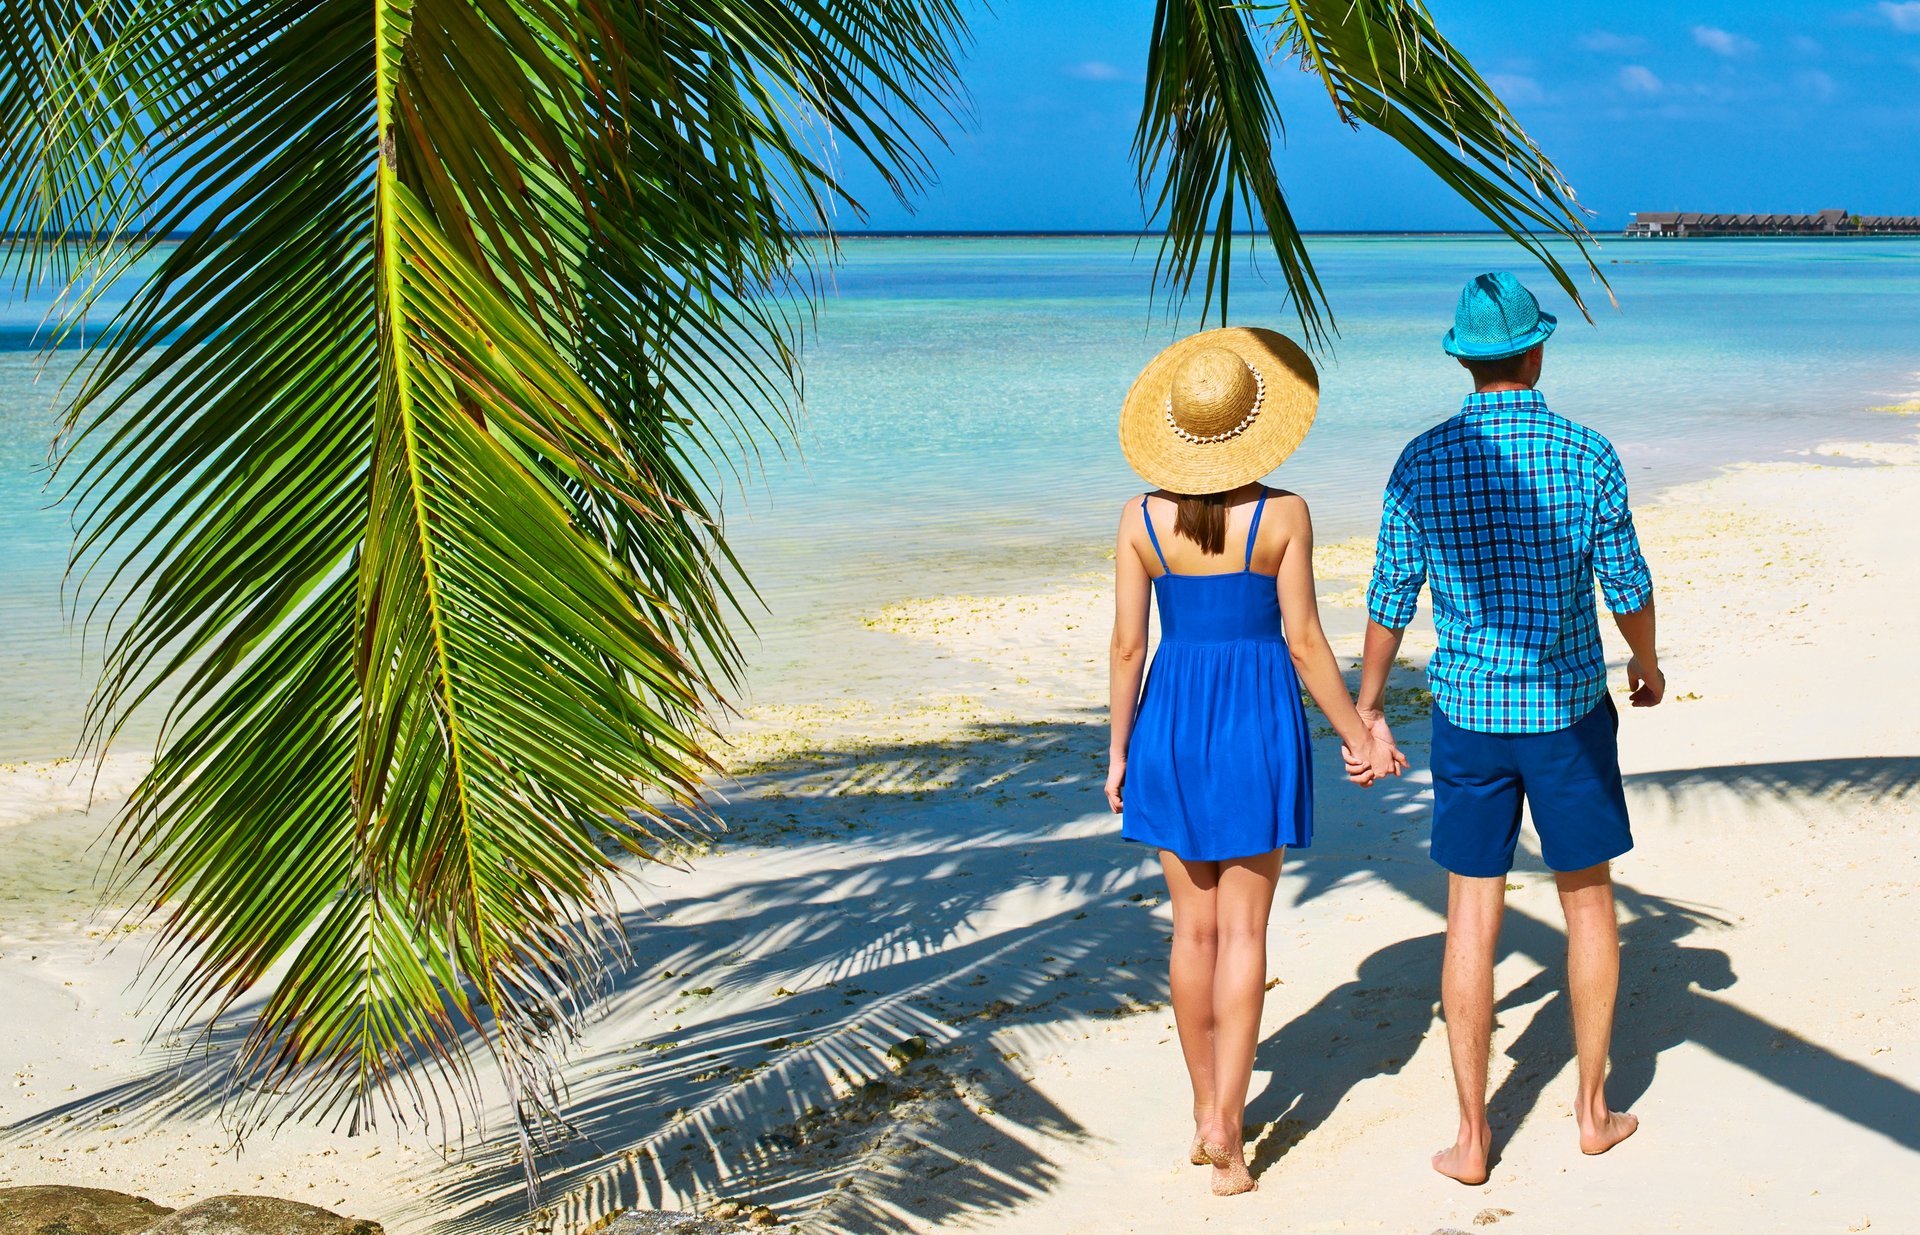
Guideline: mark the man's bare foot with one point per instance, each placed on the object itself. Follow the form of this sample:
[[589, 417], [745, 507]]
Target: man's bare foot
[[1466, 1161], [1599, 1137]]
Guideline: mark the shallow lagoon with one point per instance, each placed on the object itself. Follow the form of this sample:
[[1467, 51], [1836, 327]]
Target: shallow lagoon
[[962, 392]]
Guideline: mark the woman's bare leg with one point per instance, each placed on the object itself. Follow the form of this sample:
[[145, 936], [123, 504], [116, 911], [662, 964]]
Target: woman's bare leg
[[1244, 901], [1191, 887]]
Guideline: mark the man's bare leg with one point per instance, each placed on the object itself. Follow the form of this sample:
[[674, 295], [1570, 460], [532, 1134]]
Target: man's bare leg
[[1474, 907], [1593, 985]]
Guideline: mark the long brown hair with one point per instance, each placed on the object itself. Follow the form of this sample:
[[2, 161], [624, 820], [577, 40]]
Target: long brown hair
[[1202, 518]]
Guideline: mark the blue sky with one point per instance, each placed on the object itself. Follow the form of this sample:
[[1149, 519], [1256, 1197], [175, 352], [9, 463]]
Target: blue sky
[[1765, 105]]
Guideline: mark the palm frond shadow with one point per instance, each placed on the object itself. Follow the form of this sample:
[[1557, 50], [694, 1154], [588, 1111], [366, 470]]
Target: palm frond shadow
[[189, 1078], [1003, 901], [850, 1070], [197, 1071]]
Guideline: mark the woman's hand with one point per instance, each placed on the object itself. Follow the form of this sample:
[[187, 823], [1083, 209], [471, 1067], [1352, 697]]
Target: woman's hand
[[1116, 776], [1360, 761], [1377, 756]]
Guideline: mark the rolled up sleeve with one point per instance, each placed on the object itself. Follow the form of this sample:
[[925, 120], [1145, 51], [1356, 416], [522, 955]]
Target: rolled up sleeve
[[1625, 581], [1400, 559]]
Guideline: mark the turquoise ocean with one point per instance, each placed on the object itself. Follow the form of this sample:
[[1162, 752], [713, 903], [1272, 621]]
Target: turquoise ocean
[[961, 400]]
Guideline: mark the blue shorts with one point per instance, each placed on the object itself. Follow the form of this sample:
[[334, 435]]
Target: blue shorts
[[1570, 777]]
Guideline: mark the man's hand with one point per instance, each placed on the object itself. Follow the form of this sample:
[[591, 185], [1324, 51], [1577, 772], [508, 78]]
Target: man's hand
[[1116, 777], [1648, 684], [1383, 758]]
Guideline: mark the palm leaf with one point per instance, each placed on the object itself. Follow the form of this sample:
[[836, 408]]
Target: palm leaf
[[1210, 129], [394, 477]]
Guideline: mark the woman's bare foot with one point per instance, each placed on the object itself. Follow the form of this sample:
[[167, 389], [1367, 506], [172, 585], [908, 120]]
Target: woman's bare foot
[[1225, 1154], [1466, 1161], [1202, 1120], [1600, 1136], [1230, 1174]]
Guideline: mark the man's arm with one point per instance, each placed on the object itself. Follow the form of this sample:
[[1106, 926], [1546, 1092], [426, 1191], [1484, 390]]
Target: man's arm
[[1376, 665], [1393, 594], [1626, 582], [1644, 678]]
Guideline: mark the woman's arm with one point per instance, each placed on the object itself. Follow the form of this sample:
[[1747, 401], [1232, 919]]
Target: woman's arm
[[1313, 655], [1128, 659]]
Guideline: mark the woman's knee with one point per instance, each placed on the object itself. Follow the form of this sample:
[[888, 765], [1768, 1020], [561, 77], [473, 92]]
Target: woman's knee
[[1196, 931], [1241, 933]]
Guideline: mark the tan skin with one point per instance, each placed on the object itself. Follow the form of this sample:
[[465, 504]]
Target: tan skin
[[1218, 966], [1474, 908]]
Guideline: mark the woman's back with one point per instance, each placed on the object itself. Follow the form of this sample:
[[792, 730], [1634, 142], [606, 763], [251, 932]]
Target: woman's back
[[1206, 603], [1181, 555]]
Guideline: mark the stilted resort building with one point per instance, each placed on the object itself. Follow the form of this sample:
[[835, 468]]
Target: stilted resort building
[[1676, 224]]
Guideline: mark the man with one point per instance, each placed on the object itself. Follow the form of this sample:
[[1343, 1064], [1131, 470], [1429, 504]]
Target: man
[[1508, 513]]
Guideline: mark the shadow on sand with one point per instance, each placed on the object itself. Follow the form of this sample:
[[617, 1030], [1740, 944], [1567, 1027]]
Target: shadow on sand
[[828, 1030]]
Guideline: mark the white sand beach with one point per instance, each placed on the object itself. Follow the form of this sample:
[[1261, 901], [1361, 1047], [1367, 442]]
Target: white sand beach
[[920, 983]]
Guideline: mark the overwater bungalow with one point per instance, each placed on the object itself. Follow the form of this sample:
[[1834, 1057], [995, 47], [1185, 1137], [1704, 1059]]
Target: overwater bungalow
[[1677, 224]]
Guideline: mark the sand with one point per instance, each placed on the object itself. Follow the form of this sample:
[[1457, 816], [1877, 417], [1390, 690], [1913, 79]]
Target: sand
[[920, 983]]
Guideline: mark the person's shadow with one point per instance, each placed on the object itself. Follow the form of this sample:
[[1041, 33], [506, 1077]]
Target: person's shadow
[[1658, 994], [1361, 1029]]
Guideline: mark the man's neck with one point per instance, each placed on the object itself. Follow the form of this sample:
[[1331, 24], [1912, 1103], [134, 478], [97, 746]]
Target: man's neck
[[1501, 388]]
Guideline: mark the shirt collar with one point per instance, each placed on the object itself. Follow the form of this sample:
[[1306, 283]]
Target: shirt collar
[[1505, 401]]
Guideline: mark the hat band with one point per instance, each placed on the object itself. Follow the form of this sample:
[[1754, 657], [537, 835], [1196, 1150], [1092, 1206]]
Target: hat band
[[1187, 435]]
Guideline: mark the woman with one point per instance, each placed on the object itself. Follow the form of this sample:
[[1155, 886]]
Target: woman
[[1213, 759]]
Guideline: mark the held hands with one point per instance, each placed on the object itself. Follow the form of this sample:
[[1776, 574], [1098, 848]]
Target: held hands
[[1648, 684], [1377, 756]]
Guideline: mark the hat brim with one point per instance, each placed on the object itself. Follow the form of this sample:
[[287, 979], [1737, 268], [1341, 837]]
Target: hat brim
[[1500, 351], [1171, 462]]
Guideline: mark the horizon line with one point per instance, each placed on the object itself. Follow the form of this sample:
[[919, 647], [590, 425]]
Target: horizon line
[[1102, 232]]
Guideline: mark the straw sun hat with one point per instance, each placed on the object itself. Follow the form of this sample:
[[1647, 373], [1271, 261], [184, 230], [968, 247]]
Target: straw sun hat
[[1218, 409]]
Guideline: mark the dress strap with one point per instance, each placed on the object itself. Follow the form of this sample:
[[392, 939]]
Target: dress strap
[[1253, 531], [1148, 516]]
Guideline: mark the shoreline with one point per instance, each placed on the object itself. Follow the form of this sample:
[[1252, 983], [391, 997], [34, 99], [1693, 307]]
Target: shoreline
[[921, 982]]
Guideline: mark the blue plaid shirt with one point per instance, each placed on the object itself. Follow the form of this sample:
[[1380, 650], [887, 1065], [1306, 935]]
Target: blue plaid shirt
[[1509, 513]]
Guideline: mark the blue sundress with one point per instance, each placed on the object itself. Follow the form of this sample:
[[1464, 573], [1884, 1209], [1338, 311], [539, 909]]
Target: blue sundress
[[1219, 765]]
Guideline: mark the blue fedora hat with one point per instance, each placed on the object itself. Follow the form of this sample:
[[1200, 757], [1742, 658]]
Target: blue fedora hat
[[1496, 318]]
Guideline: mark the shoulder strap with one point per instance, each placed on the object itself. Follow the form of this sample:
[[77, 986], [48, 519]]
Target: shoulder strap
[[1253, 531], [1147, 514]]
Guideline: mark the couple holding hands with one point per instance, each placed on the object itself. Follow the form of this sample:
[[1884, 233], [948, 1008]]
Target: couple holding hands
[[1508, 514]]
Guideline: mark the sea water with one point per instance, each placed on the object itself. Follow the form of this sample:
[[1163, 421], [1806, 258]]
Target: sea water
[[962, 393]]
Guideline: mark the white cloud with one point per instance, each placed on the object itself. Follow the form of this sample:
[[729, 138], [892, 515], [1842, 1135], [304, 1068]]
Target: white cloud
[[1639, 79], [1516, 88], [1726, 43], [1806, 46], [1816, 83], [1609, 42], [1905, 17], [1095, 70]]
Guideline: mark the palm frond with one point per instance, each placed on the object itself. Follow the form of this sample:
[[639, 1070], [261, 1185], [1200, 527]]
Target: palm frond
[[1210, 131], [395, 478]]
